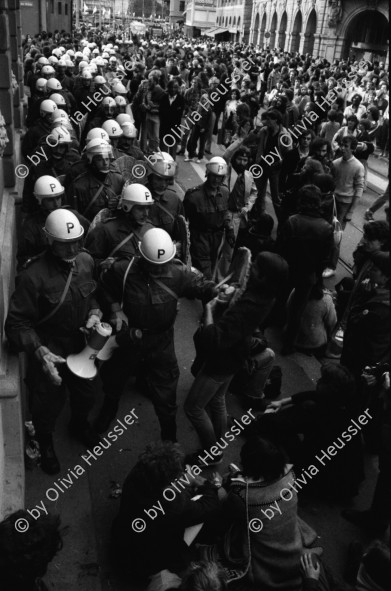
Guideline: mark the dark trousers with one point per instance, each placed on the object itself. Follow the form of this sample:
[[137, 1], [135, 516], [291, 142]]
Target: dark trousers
[[381, 507], [204, 247], [46, 400], [196, 135], [273, 176], [156, 355]]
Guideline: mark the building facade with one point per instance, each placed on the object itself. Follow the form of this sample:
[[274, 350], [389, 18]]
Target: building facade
[[46, 15], [234, 16], [177, 9], [200, 16], [332, 29], [11, 117]]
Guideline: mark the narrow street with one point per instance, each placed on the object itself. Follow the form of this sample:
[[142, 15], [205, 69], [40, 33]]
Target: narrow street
[[90, 503]]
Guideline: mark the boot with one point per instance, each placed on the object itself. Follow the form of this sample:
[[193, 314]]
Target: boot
[[83, 432], [168, 430], [273, 384], [107, 414], [49, 461]]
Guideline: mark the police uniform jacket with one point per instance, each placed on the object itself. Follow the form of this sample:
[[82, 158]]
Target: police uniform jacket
[[106, 235], [207, 212], [33, 137], [85, 187], [39, 289], [147, 304], [162, 219]]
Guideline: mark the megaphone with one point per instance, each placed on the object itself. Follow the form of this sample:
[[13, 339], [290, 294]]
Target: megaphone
[[134, 334], [108, 349], [83, 364]]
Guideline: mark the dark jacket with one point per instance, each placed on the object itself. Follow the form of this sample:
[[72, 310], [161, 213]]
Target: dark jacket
[[225, 345], [205, 212], [367, 335], [170, 114], [146, 303], [110, 234], [161, 545], [166, 218], [38, 291], [84, 188], [305, 242]]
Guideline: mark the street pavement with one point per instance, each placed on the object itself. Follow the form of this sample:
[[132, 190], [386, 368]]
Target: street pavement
[[89, 505]]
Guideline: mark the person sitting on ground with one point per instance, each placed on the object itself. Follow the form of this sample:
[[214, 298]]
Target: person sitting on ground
[[310, 421], [270, 548], [141, 554], [203, 576], [25, 554]]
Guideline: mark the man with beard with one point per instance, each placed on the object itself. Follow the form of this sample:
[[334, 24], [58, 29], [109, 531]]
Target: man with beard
[[121, 235], [100, 186], [242, 196]]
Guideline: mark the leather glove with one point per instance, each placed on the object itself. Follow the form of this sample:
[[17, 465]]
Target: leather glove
[[230, 238], [106, 264], [94, 318], [117, 317], [49, 361]]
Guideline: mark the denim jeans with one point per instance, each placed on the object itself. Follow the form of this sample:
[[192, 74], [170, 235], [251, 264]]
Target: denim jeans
[[153, 131], [208, 394], [210, 130], [196, 135]]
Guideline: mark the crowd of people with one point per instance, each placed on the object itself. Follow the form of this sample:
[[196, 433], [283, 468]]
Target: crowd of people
[[109, 238]]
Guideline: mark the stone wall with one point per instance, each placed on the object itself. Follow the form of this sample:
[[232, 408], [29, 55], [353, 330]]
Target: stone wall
[[11, 94]]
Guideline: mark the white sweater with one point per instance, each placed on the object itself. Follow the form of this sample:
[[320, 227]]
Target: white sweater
[[349, 179]]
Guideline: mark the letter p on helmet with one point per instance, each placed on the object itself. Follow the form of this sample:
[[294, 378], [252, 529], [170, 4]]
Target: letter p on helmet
[[70, 227], [161, 252]]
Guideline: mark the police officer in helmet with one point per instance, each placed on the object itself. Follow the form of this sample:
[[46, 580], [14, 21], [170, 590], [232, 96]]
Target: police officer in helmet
[[53, 299], [149, 288]]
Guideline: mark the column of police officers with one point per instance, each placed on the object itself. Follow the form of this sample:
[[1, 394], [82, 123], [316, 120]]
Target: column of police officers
[[93, 247]]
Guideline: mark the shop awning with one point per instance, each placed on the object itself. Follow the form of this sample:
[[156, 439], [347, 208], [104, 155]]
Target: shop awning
[[214, 31]]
